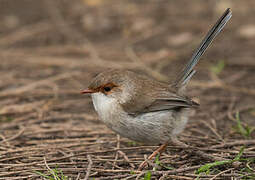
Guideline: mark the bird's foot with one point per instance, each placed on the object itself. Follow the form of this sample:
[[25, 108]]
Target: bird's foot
[[157, 151]]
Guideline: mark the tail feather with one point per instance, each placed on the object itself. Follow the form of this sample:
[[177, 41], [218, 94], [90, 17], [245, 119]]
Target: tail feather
[[188, 70]]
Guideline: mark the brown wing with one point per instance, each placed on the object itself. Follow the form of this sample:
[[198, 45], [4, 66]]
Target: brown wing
[[152, 96], [169, 104]]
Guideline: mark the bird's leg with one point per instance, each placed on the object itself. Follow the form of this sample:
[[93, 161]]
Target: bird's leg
[[157, 151]]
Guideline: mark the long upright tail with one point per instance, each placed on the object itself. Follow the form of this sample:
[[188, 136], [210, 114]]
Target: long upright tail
[[188, 70]]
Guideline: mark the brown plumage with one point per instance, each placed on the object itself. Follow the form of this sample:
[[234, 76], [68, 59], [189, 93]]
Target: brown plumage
[[145, 94], [143, 109]]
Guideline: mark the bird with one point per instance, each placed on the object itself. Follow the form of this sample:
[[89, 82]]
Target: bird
[[146, 110]]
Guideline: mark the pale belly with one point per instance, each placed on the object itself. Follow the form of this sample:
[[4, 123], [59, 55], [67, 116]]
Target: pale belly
[[150, 128]]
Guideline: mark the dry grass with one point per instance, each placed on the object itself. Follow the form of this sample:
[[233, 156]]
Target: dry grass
[[48, 128]]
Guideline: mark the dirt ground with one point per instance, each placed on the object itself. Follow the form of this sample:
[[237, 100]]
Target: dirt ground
[[50, 50]]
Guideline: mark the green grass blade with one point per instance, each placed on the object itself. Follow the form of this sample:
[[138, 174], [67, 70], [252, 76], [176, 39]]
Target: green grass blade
[[206, 168], [147, 176], [240, 127], [43, 175]]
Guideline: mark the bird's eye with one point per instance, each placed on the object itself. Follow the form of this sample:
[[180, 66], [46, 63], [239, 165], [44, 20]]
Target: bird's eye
[[107, 89]]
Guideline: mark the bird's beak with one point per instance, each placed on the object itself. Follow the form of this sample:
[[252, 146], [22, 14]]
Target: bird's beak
[[87, 91]]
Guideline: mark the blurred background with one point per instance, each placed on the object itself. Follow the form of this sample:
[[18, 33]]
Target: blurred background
[[50, 50], [80, 34]]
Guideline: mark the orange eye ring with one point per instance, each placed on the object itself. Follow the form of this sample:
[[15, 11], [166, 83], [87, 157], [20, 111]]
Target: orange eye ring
[[106, 88]]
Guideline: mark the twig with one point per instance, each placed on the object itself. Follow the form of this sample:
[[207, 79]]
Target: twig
[[4, 140], [126, 158], [174, 177], [15, 136], [180, 170], [170, 172], [52, 172], [122, 176], [222, 172], [139, 175], [89, 167], [213, 130], [236, 143], [208, 156], [116, 154], [194, 150], [78, 176]]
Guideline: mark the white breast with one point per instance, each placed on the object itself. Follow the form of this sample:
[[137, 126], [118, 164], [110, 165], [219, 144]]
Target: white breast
[[105, 106], [151, 128]]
